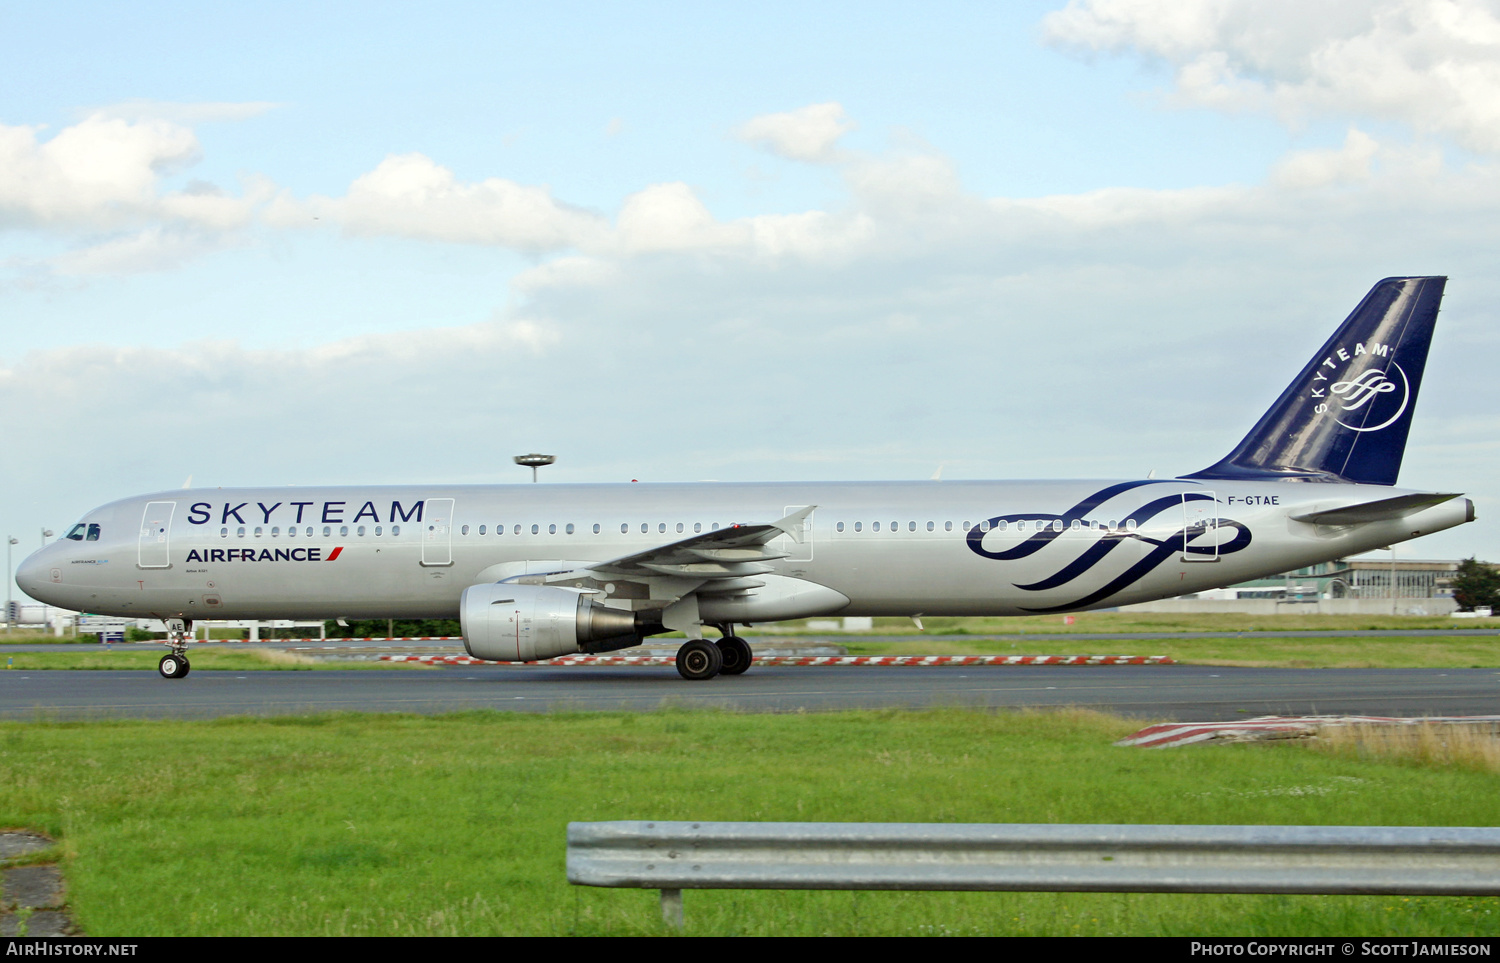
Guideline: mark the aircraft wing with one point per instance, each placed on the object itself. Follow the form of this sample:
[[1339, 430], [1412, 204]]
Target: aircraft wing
[[732, 552]]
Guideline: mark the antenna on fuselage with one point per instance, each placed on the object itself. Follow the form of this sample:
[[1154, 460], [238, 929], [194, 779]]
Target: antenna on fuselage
[[534, 461]]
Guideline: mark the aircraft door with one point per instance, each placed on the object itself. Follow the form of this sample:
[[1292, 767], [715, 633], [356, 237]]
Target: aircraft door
[[154, 549], [1200, 527], [437, 532]]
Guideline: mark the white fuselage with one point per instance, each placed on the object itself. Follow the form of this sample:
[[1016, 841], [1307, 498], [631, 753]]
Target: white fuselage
[[889, 548]]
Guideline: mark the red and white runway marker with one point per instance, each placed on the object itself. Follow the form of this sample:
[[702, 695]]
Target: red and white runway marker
[[1275, 727]]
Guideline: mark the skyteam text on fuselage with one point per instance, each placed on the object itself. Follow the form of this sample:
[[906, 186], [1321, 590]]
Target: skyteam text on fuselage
[[538, 571]]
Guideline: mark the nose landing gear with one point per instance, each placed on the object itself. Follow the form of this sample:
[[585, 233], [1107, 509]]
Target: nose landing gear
[[176, 665]]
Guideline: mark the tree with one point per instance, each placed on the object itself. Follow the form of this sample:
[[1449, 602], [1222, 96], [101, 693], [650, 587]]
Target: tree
[[1476, 585]]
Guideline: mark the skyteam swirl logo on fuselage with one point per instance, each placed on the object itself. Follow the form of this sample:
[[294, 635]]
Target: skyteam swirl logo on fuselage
[[1108, 541]]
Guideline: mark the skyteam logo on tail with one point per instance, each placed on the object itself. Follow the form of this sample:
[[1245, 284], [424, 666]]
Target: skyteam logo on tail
[[1355, 397]]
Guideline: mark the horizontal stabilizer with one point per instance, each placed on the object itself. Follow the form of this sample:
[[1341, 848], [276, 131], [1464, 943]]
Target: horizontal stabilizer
[[1377, 511]]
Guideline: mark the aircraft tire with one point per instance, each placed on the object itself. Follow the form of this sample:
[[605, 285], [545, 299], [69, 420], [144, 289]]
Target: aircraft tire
[[736, 653], [172, 667], [186, 667], [699, 659]]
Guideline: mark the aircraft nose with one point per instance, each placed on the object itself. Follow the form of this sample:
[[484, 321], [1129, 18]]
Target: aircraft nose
[[32, 574]]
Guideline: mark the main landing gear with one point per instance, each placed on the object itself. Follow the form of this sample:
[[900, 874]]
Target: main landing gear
[[176, 665], [701, 659]]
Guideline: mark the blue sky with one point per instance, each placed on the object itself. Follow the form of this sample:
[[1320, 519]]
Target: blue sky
[[273, 244]]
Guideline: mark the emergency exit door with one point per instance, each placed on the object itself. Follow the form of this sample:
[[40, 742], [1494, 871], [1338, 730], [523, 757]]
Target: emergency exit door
[[437, 532], [1200, 527]]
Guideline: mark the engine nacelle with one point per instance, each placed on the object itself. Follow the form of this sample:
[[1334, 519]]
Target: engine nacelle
[[505, 622]]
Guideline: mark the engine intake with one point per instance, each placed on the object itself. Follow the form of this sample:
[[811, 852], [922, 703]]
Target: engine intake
[[506, 622]]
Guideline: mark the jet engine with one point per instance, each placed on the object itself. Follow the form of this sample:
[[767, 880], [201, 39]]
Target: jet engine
[[506, 622]]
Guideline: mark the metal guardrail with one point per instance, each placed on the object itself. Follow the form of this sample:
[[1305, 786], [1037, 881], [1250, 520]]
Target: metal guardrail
[[1365, 860]]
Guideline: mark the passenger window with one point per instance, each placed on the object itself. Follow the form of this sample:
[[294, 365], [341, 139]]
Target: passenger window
[[679, 528], [275, 530], [714, 527], [1076, 525], [895, 526], [240, 532], [596, 528], [482, 528], [464, 530], [875, 526], [984, 526], [535, 529], [1002, 524], [291, 531], [645, 528], [569, 529], [551, 529], [93, 533], [1130, 524], [930, 526], [1057, 525], [1111, 524], [377, 531], [839, 527], [515, 531], [327, 531], [965, 526], [257, 531], [223, 533], [624, 527], [697, 527], [661, 527], [947, 526], [859, 526], [396, 530], [360, 531]]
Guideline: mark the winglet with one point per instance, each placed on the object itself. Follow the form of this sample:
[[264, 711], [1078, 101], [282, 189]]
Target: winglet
[[795, 523]]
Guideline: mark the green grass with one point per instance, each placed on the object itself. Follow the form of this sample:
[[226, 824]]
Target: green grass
[[392, 825], [239, 660]]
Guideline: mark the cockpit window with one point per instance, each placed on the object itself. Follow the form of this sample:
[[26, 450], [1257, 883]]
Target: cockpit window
[[93, 533], [76, 533]]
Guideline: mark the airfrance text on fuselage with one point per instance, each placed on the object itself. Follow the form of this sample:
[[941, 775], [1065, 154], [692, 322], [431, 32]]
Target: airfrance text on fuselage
[[261, 555], [333, 513]]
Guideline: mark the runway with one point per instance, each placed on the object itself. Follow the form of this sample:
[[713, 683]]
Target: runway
[[1184, 693]]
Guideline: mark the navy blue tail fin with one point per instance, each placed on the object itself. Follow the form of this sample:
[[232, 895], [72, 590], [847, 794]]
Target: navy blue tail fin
[[1346, 416]]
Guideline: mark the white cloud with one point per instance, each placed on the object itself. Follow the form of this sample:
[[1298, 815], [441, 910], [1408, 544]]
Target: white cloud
[[99, 183], [807, 134], [96, 174], [1318, 168], [1433, 64], [409, 195], [187, 114]]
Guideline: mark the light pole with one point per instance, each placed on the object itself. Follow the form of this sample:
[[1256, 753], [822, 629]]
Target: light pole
[[46, 534], [1393, 580], [9, 541], [534, 461]]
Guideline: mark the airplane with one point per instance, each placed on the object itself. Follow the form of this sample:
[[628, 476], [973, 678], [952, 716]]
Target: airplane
[[538, 571]]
